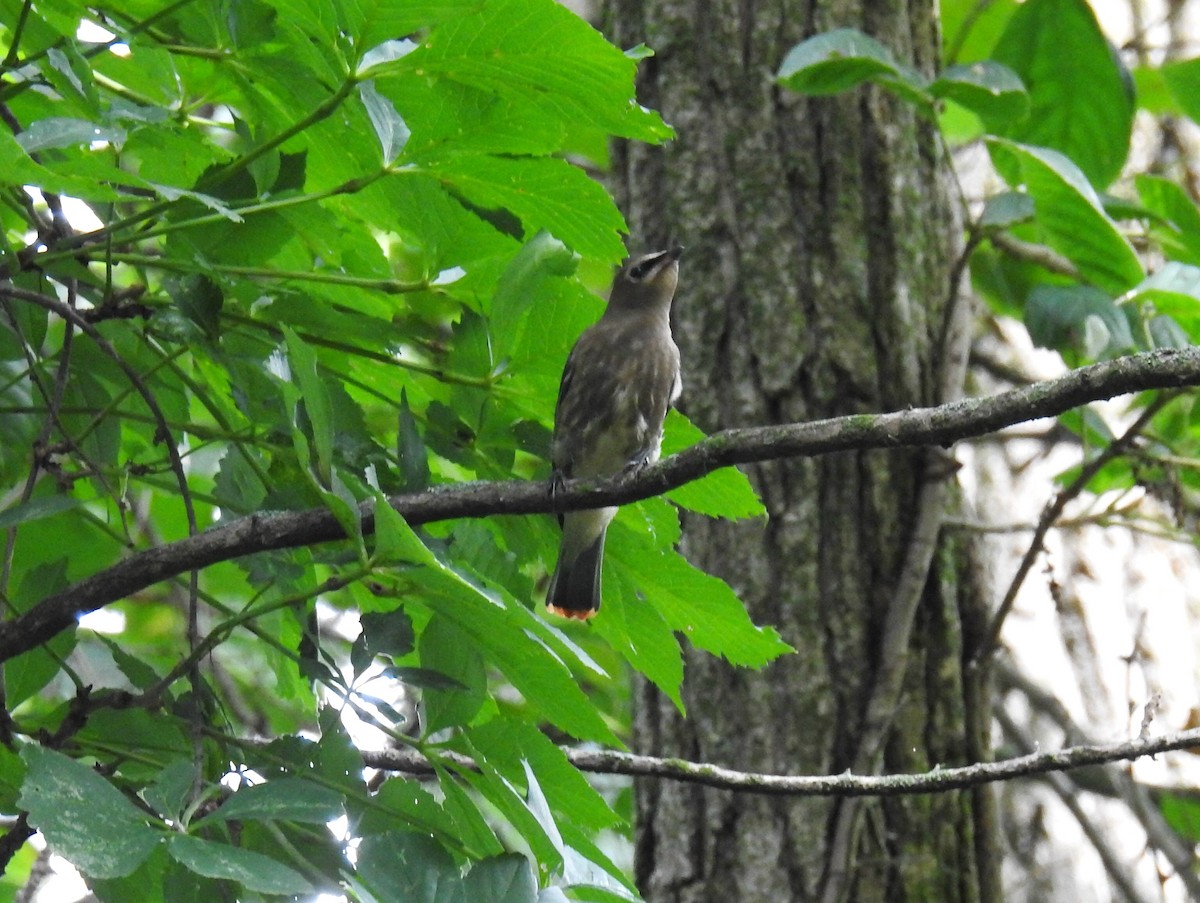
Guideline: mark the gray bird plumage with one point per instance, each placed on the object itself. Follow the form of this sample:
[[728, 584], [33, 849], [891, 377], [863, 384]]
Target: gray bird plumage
[[620, 379]]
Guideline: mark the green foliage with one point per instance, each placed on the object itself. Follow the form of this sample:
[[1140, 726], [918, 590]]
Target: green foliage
[[304, 255], [1051, 99]]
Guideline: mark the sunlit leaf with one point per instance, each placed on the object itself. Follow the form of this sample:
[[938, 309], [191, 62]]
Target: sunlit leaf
[[1069, 212], [83, 816], [1080, 95]]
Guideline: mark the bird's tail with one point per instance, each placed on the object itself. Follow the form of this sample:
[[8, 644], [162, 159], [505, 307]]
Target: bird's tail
[[575, 587]]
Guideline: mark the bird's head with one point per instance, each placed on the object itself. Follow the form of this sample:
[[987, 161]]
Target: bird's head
[[647, 281]]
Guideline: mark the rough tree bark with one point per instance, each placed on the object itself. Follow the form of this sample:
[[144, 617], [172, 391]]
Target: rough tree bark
[[821, 242]]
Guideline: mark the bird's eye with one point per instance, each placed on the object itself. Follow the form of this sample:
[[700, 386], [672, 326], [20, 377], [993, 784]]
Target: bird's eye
[[638, 273]]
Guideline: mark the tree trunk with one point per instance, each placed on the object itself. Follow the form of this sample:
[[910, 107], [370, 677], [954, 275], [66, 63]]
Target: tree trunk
[[821, 242]]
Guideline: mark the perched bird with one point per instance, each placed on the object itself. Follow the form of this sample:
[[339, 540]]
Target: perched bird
[[620, 379]]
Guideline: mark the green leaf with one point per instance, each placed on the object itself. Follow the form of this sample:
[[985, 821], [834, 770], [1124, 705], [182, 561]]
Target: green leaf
[[12, 776], [442, 649], [723, 493], [399, 866], [545, 193], [171, 790], [501, 879], [992, 91], [84, 817], [505, 796], [1183, 80], [254, 871], [1178, 226], [701, 607], [303, 365], [1166, 332], [843, 58], [541, 260], [500, 629], [513, 747], [1077, 317], [387, 632], [537, 54], [389, 125], [395, 540], [286, 798], [59, 131], [637, 630], [474, 829], [36, 509], [1172, 278], [1182, 813], [970, 31], [1080, 96], [26, 674], [1006, 209], [1171, 297], [1070, 214], [410, 448]]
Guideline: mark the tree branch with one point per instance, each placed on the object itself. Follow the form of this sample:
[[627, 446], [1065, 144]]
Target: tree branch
[[939, 780], [941, 425]]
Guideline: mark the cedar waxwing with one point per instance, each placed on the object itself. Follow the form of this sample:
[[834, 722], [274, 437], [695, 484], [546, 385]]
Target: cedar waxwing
[[620, 379]]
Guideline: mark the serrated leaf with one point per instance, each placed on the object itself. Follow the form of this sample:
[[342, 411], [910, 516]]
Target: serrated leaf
[[1080, 96], [701, 607], [395, 540], [723, 493], [638, 631], [501, 631], [63, 131], [252, 870], [542, 258], [387, 632], [544, 57], [286, 798], [442, 648], [84, 817], [1069, 212], [545, 193], [400, 866], [514, 747], [172, 789], [508, 800], [410, 448], [501, 879], [36, 509], [302, 362], [391, 130]]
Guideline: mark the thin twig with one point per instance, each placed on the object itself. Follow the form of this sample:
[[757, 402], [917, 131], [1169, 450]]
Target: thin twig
[[1111, 782], [1051, 514]]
